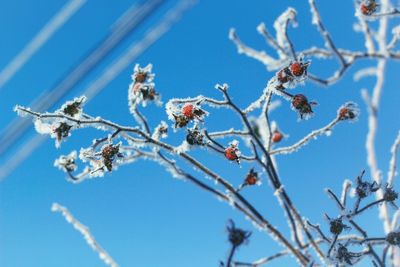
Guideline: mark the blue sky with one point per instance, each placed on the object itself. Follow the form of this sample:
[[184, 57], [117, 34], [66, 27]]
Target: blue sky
[[139, 214]]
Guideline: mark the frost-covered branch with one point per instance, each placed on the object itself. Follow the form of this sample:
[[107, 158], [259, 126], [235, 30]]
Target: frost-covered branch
[[84, 230], [393, 160]]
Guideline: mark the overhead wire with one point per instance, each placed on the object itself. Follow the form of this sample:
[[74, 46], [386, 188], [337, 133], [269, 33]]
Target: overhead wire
[[116, 67]]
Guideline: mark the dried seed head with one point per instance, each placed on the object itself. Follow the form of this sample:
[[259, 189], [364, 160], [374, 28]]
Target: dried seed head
[[195, 137], [363, 188], [237, 236], [393, 238], [349, 111], [140, 76], [336, 226], [62, 131], [180, 120], [109, 153], [390, 195], [301, 104]]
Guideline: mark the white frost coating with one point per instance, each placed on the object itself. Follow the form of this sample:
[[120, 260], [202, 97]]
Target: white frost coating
[[55, 129], [395, 37], [182, 148], [161, 131], [84, 230], [306, 139], [365, 72], [20, 110], [270, 62], [67, 162], [173, 106], [43, 127], [395, 221], [345, 189], [281, 23], [393, 160]]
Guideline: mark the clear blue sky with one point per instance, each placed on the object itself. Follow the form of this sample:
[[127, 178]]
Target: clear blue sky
[[141, 215]]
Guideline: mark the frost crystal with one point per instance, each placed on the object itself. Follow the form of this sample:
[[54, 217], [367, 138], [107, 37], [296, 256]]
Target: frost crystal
[[67, 163]]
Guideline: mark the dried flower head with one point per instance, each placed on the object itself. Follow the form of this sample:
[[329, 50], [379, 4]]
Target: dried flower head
[[195, 137], [74, 107], [62, 130], [180, 120], [393, 238], [363, 188], [390, 195], [343, 255], [109, 153], [301, 104], [237, 236], [141, 75], [349, 111], [336, 226]]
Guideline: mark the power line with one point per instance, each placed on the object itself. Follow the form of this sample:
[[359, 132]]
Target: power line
[[112, 71], [137, 15], [39, 40]]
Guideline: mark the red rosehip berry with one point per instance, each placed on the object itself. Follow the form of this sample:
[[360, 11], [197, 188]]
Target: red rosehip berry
[[188, 111], [368, 7], [298, 68], [277, 136], [301, 104], [349, 111], [251, 178], [230, 153]]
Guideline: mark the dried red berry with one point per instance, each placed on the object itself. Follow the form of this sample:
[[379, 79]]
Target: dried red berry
[[368, 7], [300, 103], [140, 77], [188, 111], [277, 136], [251, 178], [284, 75], [230, 153], [349, 111], [298, 68]]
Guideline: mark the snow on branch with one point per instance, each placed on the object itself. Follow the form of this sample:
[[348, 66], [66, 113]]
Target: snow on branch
[[84, 230]]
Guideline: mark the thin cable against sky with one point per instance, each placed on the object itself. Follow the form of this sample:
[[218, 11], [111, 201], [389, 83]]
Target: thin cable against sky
[[129, 22], [111, 72], [39, 40]]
